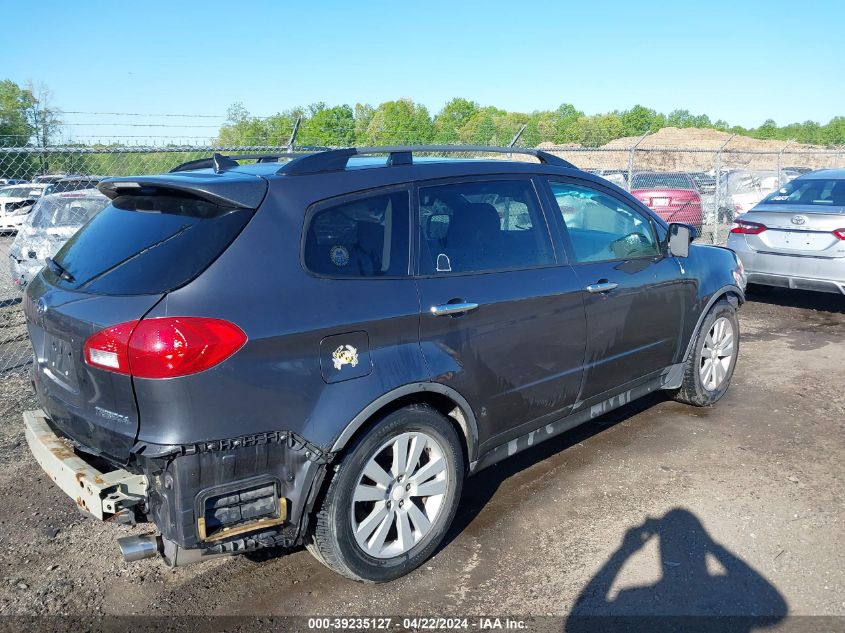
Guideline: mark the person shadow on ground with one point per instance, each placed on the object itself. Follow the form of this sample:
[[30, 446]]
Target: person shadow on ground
[[689, 596]]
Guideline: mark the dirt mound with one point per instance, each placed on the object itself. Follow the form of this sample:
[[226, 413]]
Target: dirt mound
[[705, 138], [695, 149]]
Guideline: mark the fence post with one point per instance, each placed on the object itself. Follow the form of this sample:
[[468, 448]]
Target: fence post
[[714, 237], [293, 133], [518, 134], [631, 158], [780, 161]]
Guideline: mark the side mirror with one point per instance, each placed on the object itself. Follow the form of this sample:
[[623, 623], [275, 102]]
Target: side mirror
[[680, 236]]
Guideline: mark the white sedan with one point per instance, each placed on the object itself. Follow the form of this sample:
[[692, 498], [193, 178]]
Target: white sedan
[[16, 202]]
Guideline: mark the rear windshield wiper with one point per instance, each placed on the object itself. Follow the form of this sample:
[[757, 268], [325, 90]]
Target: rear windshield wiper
[[59, 270]]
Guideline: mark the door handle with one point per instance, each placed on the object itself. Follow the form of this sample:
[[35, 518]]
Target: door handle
[[452, 308], [602, 286]]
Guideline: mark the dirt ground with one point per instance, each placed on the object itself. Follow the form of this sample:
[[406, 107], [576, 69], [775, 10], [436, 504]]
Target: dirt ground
[[657, 508]]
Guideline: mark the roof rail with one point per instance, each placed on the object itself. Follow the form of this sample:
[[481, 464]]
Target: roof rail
[[221, 162], [337, 159]]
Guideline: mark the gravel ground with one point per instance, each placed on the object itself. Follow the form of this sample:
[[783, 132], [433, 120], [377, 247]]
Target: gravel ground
[[656, 508]]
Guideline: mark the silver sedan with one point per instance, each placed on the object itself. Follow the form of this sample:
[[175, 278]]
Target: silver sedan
[[795, 237]]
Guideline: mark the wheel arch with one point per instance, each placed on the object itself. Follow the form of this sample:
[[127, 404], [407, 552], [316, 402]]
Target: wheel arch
[[731, 293], [443, 398]]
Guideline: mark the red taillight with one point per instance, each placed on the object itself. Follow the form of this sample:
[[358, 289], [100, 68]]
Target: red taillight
[[747, 228], [840, 233], [109, 348], [164, 347]]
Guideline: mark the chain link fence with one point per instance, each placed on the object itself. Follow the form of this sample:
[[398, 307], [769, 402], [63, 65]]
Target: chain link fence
[[705, 186]]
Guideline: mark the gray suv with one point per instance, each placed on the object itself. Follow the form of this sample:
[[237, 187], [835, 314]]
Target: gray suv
[[319, 349]]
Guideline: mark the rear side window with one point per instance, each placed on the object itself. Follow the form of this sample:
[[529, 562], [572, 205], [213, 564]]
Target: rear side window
[[482, 226], [365, 236], [147, 244]]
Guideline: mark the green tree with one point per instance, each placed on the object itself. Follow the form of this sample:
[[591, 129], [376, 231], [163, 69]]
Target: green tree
[[639, 120], [16, 105], [834, 132], [768, 130], [596, 130], [363, 115], [481, 128], [565, 124], [332, 127], [398, 122], [449, 121], [43, 115]]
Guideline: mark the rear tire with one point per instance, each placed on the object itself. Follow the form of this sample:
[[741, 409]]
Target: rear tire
[[392, 497], [710, 365]]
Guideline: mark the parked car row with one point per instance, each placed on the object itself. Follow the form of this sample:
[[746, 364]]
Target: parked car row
[[698, 198], [52, 222], [17, 198]]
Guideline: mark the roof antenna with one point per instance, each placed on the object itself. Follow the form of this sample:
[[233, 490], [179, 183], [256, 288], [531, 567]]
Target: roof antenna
[[222, 163]]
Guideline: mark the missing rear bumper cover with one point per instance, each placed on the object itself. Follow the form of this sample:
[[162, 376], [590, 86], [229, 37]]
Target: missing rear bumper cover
[[240, 507]]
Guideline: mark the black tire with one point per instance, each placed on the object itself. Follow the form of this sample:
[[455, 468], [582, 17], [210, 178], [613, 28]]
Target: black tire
[[332, 540], [693, 390]]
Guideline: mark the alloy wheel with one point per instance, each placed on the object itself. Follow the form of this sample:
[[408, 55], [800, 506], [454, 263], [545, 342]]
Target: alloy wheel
[[717, 354], [399, 494]]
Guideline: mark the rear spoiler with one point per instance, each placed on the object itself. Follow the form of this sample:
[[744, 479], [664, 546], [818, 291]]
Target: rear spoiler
[[232, 189]]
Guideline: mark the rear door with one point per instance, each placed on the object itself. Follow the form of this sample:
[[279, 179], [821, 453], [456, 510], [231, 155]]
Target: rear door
[[635, 295], [114, 270], [502, 317]]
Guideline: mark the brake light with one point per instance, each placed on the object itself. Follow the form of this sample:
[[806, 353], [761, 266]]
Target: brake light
[[840, 233], [744, 227], [165, 347]]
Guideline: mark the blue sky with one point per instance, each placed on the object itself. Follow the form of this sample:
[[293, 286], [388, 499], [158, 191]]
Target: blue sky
[[739, 61]]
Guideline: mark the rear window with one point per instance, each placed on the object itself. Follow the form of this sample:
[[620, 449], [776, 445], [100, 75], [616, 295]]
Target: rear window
[[811, 191], [662, 181], [147, 244]]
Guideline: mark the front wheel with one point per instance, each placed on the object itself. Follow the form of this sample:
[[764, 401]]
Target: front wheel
[[710, 365], [392, 498]]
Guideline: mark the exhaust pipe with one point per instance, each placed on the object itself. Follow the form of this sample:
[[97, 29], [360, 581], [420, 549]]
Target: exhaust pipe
[[139, 547]]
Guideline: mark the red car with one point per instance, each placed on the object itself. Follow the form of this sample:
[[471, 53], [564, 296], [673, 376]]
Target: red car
[[672, 195]]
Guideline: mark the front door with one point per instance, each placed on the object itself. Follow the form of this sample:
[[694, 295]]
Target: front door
[[634, 292], [502, 320]]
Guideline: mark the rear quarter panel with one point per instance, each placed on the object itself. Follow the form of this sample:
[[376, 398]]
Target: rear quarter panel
[[276, 382]]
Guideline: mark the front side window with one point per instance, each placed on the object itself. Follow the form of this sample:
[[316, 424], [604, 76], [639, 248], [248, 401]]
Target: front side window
[[361, 237], [602, 228], [482, 226]]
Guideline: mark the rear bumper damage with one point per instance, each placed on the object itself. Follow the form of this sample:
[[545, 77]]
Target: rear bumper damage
[[207, 500], [99, 494]]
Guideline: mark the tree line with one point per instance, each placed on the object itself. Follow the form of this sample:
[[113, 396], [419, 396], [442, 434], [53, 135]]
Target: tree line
[[27, 118], [465, 121]]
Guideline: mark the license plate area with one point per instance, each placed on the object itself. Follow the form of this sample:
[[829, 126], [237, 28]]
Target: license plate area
[[59, 360], [800, 240], [660, 202]]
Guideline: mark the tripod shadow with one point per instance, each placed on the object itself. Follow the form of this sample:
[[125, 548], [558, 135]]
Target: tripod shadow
[[688, 589]]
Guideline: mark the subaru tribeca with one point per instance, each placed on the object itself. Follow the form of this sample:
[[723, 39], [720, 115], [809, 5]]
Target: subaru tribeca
[[318, 349]]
